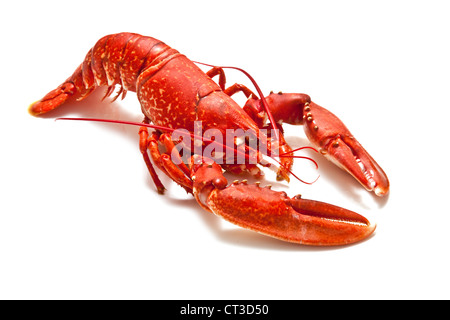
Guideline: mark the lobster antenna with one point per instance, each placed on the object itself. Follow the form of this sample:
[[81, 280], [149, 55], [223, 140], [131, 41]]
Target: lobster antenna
[[298, 149], [302, 157], [290, 171], [141, 124], [288, 154]]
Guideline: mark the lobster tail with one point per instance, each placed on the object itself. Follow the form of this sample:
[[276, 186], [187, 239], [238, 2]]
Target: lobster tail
[[52, 100], [78, 86], [117, 59]]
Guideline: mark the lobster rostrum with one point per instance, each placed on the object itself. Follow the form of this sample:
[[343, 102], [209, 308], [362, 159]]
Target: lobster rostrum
[[175, 93]]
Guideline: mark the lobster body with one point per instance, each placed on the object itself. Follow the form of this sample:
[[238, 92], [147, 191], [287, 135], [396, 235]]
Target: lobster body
[[175, 93], [172, 90]]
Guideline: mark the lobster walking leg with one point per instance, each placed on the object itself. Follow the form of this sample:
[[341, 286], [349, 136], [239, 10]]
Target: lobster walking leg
[[233, 89], [218, 71], [171, 150], [143, 146], [162, 161]]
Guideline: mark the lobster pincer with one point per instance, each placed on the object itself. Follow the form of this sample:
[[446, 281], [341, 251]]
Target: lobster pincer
[[273, 213], [326, 132], [337, 144]]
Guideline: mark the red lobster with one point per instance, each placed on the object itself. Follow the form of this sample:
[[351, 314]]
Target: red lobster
[[174, 93]]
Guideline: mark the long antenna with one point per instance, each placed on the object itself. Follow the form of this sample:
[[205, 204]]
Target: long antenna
[[141, 124]]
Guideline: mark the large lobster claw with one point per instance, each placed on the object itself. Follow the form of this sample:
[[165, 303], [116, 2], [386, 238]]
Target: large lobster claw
[[274, 213], [337, 144], [326, 132]]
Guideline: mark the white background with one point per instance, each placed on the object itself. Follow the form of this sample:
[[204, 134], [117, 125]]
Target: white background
[[79, 216]]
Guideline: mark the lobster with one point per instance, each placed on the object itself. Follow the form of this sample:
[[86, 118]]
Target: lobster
[[175, 93]]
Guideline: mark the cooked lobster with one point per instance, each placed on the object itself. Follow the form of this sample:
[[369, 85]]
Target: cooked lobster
[[176, 94]]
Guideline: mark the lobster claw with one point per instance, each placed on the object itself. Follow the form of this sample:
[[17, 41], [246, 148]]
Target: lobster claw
[[338, 145], [290, 219], [274, 213]]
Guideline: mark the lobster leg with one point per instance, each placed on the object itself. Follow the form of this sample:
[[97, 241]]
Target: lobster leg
[[162, 161], [218, 71], [143, 146], [167, 142], [274, 213], [235, 88], [327, 133]]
